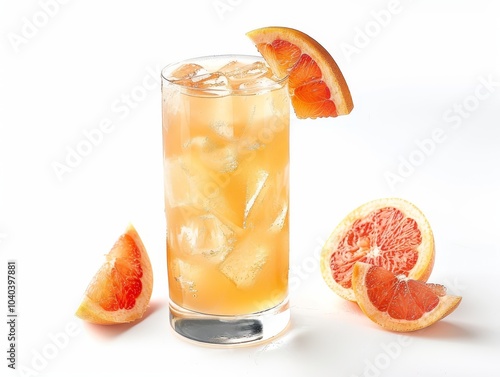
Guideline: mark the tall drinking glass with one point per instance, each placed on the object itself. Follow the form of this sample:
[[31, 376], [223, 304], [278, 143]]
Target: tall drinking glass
[[226, 160]]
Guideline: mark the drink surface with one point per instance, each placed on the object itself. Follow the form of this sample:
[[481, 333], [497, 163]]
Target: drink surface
[[226, 159]]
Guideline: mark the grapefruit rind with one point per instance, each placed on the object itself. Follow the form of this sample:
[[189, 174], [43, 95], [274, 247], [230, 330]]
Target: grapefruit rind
[[446, 305], [423, 267], [90, 310], [331, 73]]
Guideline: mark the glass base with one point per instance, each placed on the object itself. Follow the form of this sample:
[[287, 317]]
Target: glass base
[[230, 330]]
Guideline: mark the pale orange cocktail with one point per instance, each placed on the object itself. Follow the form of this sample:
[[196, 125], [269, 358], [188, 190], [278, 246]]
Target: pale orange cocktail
[[226, 158]]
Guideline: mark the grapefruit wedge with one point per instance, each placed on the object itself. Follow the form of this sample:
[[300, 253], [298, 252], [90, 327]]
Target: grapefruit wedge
[[398, 303], [317, 86], [120, 291], [391, 233]]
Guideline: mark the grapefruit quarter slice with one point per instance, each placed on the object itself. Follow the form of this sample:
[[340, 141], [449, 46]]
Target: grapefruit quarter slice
[[316, 84], [398, 303], [121, 289]]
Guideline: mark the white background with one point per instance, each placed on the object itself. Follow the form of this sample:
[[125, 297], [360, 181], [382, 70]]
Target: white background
[[418, 74]]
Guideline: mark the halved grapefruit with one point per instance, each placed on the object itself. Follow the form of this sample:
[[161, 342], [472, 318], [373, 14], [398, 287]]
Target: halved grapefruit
[[120, 291], [390, 233], [317, 86], [398, 303]]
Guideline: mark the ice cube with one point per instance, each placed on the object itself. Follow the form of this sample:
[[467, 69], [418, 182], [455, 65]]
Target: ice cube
[[223, 129], [247, 145], [223, 159], [219, 158], [210, 80], [206, 235], [187, 71], [267, 115], [245, 262], [178, 182], [267, 204], [211, 113], [238, 73], [206, 81], [254, 188], [204, 180], [231, 67], [186, 275], [189, 183], [280, 220]]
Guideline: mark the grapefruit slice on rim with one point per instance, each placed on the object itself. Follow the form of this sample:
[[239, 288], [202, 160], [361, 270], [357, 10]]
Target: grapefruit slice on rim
[[120, 291], [398, 303], [317, 86], [390, 233]]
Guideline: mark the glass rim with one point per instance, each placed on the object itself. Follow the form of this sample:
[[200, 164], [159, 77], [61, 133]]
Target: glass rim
[[275, 85]]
